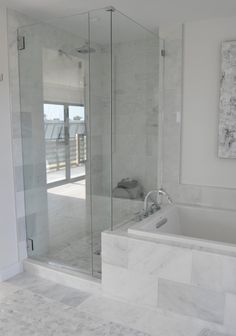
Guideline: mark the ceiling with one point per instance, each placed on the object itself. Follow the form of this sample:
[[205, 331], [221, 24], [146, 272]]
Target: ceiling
[[150, 13]]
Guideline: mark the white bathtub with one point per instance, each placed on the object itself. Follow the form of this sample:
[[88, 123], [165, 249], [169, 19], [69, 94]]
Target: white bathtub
[[195, 227]]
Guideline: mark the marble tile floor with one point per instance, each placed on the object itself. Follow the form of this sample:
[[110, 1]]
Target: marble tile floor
[[77, 254], [31, 306], [70, 241]]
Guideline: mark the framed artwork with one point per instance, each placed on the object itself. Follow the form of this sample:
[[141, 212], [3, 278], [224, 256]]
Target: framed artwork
[[227, 117]]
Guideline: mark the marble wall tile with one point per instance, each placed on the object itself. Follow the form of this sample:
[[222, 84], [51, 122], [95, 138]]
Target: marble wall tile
[[165, 261], [208, 332], [16, 121], [21, 229], [20, 200], [17, 151], [213, 271], [115, 250], [191, 300], [130, 286], [135, 84], [19, 181], [230, 311], [26, 124], [207, 270]]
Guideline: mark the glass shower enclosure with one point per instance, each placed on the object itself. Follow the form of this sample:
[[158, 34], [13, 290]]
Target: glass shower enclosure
[[89, 120]]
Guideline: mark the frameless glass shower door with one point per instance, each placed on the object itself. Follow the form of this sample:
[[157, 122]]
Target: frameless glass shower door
[[89, 117], [54, 78]]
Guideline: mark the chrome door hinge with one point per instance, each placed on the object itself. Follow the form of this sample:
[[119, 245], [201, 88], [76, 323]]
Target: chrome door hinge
[[30, 244], [163, 52], [110, 9], [21, 43]]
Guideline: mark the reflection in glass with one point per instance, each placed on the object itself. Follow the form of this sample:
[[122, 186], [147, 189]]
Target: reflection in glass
[[77, 140], [90, 130], [54, 129]]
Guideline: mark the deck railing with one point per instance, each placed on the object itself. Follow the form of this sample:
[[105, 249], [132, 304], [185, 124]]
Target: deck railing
[[59, 149]]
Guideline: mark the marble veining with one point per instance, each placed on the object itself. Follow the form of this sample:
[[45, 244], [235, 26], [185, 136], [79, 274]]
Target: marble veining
[[31, 306], [207, 332], [214, 271], [128, 285], [153, 321], [52, 312], [191, 300], [230, 309], [48, 289], [191, 283], [164, 261]]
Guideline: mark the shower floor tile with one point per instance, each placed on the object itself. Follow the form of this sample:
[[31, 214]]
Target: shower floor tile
[[77, 253], [31, 306], [70, 241]]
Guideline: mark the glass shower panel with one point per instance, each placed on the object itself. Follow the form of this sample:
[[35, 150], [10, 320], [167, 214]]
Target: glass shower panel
[[89, 116], [54, 112], [77, 139], [134, 116], [100, 128], [55, 149]]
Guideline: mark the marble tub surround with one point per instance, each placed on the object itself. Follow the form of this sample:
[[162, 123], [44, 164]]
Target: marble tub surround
[[214, 271], [191, 300], [187, 282], [33, 306], [153, 321], [230, 309]]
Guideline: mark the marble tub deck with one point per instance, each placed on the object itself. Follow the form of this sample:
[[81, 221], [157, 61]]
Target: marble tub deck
[[31, 306]]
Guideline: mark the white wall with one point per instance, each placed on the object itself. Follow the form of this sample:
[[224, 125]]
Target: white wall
[[200, 164], [8, 234], [201, 195]]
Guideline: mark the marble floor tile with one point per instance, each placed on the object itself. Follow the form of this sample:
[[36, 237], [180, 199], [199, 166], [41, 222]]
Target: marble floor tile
[[6, 289], [23, 312], [151, 321], [30, 306], [49, 289]]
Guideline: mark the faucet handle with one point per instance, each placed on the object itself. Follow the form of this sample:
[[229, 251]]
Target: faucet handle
[[162, 191]]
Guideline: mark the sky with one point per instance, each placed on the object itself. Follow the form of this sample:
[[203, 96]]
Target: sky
[[53, 112]]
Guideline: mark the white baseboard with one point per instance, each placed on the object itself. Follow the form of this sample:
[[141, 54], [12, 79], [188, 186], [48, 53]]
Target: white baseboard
[[11, 271]]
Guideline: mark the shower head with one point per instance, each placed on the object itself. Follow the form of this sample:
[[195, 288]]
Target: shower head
[[63, 53], [85, 49]]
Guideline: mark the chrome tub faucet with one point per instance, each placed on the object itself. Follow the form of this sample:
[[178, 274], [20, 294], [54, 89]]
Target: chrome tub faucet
[[159, 192]]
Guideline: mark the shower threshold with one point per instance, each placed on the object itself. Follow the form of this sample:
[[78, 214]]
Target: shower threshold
[[63, 276]]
